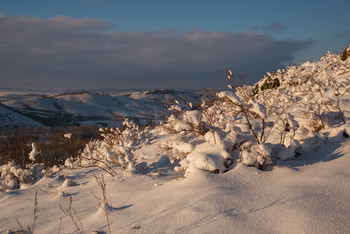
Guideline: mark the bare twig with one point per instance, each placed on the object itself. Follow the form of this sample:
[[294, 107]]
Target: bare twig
[[19, 224], [72, 214], [35, 216], [110, 170], [59, 227], [101, 183]]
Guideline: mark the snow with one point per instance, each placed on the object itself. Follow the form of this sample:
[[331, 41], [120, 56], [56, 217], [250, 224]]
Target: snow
[[275, 161], [68, 135], [207, 157], [291, 121], [97, 106], [230, 95], [307, 195], [259, 109], [193, 117], [34, 152], [10, 118]]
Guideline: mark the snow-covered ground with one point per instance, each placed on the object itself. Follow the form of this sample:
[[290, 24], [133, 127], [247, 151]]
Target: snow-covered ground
[[307, 195], [269, 158]]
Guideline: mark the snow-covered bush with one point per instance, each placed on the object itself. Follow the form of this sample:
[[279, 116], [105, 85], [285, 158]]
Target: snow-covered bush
[[116, 147], [258, 155], [184, 120], [289, 111], [177, 147], [12, 176], [207, 157]]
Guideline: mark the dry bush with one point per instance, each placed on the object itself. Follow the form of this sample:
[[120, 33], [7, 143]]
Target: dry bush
[[54, 149]]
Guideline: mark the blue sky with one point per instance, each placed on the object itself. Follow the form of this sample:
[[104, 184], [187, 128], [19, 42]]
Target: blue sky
[[83, 44]]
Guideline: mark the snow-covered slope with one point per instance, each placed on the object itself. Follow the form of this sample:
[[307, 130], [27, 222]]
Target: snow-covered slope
[[10, 119], [98, 106], [307, 195], [278, 153]]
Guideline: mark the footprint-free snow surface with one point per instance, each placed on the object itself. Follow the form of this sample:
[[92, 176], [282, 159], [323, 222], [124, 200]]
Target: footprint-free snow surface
[[307, 195]]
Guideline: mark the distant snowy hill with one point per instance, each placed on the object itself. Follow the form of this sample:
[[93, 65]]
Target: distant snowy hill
[[107, 107], [11, 119]]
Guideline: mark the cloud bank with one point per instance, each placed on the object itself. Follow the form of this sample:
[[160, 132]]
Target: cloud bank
[[65, 53]]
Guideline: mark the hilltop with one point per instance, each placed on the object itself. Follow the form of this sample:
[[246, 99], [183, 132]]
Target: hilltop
[[103, 107]]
